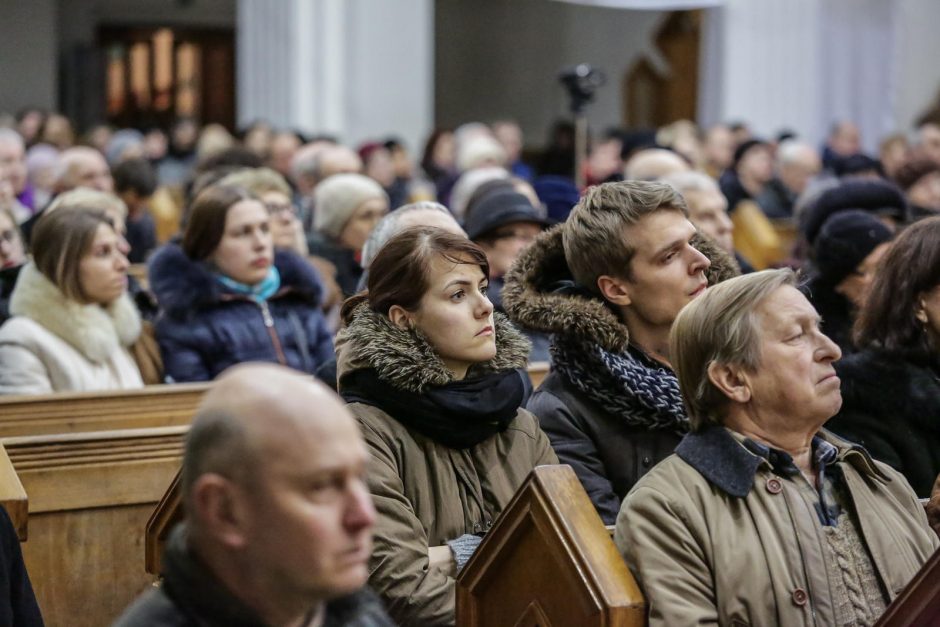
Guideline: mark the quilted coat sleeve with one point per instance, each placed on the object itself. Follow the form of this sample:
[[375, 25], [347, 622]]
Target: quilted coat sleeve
[[576, 448], [320, 338], [414, 593], [183, 349], [655, 536]]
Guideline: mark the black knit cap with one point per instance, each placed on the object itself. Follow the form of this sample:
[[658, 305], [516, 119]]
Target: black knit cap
[[873, 196], [844, 241], [744, 147], [499, 209]]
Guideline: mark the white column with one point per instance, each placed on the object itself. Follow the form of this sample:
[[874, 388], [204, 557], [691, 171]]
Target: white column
[[803, 64], [759, 63], [358, 69]]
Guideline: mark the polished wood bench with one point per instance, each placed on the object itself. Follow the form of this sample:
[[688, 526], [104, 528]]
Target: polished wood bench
[[89, 495], [549, 561], [79, 475], [74, 412]]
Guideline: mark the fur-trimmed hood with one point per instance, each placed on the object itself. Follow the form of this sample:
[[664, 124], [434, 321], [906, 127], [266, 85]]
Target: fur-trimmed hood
[[531, 300], [183, 286], [405, 358], [94, 331]]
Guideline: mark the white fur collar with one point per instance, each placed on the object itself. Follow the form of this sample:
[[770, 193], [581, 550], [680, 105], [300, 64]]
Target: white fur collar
[[94, 331]]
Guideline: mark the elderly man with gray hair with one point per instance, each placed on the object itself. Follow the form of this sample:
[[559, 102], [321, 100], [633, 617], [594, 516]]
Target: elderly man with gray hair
[[423, 213], [761, 517]]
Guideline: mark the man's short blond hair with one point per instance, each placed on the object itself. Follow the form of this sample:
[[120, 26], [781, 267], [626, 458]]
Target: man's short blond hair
[[719, 326], [594, 238]]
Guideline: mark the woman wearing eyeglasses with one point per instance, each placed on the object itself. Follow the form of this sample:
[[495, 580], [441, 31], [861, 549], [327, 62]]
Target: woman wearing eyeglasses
[[228, 296], [274, 192]]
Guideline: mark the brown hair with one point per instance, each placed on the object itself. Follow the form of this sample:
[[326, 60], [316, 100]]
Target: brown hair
[[206, 224], [593, 236], [258, 181], [398, 275], [60, 240], [719, 326], [909, 268]]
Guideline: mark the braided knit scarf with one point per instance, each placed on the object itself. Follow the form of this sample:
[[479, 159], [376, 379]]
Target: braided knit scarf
[[642, 394]]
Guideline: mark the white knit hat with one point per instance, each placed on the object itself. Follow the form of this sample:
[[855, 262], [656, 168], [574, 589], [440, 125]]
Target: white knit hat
[[338, 197], [479, 151]]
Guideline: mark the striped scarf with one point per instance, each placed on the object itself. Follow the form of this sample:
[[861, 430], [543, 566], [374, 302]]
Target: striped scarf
[[630, 385]]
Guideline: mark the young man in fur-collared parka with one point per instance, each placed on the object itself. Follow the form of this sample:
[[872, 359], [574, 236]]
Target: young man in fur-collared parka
[[608, 284]]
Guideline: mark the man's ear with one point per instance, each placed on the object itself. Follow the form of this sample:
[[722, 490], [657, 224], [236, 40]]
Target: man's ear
[[614, 290], [731, 380], [400, 317], [217, 505]]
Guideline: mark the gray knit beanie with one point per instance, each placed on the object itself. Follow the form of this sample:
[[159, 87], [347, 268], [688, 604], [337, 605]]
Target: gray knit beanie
[[338, 197]]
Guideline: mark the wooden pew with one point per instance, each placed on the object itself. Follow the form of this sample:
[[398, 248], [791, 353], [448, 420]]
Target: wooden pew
[[75, 412], [166, 514], [89, 496], [548, 561], [79, 475], [139, 272]]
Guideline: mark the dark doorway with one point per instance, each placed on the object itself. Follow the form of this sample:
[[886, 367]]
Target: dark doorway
[[654, 96]]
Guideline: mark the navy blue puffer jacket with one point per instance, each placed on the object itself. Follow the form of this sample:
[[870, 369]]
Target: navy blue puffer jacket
[[203, 328]]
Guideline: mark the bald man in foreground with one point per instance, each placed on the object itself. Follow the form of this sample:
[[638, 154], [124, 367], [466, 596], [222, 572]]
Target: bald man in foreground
[[279, 520]]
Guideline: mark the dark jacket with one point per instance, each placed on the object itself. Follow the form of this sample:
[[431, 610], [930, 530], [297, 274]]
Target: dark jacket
[[190, 596], [891, 406], [204, 328], [18, 607], [8, 278], [348, 269], [608, 455], [836, 312]]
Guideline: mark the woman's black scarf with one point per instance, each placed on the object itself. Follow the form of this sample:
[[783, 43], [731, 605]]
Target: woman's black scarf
[[459, 414]]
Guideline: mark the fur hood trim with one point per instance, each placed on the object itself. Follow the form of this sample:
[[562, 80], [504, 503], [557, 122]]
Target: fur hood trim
[[94, 331], [407, 360], [183, 286], [530, 299]]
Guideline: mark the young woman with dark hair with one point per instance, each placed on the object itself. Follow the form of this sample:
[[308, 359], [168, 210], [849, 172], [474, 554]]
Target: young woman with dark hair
[[436, 381], [226, 296], [891, 388]]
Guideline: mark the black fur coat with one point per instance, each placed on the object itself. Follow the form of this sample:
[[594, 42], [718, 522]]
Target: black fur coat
[[891, 406]]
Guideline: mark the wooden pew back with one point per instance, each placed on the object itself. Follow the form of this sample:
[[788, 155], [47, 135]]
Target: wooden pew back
[[548, 561], [79, 475], [75, 412]]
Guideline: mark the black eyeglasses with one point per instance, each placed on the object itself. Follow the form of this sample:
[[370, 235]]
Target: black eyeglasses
[[275, 208]]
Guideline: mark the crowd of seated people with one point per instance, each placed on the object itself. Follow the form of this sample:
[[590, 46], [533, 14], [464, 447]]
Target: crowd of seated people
[[690, 387]]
